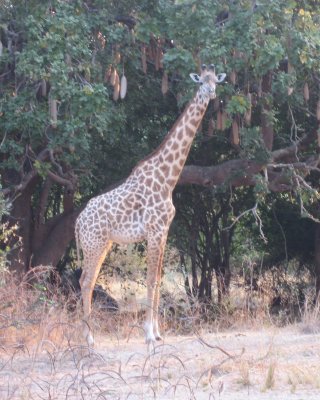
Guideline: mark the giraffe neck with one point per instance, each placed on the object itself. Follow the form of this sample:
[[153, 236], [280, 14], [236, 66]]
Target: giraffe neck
[[168, 160]]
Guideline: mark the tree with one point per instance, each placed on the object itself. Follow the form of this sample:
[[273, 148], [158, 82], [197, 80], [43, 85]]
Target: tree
[[66, 135]]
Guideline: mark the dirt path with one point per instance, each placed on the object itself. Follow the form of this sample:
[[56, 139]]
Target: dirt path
[[267, 364]]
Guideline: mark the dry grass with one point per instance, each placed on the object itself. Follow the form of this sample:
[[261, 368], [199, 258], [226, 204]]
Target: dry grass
[[270, 377], [310, 317], [204, 356]]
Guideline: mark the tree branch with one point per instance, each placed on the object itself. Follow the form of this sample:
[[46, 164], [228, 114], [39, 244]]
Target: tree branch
[[60, 180], [27, 178], [240, 172]]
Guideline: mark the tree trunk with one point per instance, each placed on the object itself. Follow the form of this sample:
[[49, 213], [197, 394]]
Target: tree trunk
[[37, 241], [21, 220], [223, 276], [223, 273], [193, 241], [187, 286], [20, 241], [55, 242]]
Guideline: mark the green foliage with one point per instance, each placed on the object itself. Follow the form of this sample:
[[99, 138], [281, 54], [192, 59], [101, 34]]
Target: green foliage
[[178, 59], [238, 104], [60, 50], [5, 233], [252, 145]]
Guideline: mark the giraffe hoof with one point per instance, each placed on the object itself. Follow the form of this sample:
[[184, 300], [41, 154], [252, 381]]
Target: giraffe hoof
[[150, 339], [158, 338]]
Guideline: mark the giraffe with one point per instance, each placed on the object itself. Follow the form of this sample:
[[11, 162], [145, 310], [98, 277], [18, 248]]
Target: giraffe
[[141, 207]]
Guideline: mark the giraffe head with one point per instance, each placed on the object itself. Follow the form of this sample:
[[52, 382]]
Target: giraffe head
[[208, 80]]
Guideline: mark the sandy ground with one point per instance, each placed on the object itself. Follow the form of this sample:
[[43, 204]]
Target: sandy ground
[[267, 364]]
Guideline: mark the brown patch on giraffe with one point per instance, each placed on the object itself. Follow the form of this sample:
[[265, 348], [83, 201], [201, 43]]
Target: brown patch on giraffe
[[185, 143], [164, 193], [148, 182], [156, 187], [194, 122], [166, 150], [189, 131], [165, 169], [158, 175], [180, 134], [136, 205], [175, 146], [176, 170], [169, 158]]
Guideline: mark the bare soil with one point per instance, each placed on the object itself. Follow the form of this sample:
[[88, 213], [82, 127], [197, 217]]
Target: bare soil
[[268, 364]]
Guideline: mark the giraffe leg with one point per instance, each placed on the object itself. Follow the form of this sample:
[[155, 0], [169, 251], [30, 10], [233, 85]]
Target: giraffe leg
[[156, 330], [155, 255], [92, 263]]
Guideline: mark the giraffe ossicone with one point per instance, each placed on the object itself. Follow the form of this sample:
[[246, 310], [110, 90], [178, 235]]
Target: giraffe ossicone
[[141, 208]]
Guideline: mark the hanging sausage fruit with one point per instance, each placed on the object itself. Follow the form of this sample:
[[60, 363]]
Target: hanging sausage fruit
[[123, 86], [233, 77], [144, 59], [290, 71], [43, 88], [116, 88], [53, 110], [113, 77], [248, 113], [221, 120], [164, 83], [211, 127], [318, 110], [117, 57], [306, 93]]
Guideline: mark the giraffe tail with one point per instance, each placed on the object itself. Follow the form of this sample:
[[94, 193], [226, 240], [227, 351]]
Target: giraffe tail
[[78, 246]]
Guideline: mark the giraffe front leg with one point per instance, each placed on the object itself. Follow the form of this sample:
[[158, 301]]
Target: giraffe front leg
[[148, 325], [156, 329], [155, 256]]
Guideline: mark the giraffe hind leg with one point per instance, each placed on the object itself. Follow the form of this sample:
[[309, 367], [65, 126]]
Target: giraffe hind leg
[[92, 262]]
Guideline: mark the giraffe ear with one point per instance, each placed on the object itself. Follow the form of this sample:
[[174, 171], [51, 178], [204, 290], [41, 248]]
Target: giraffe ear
[[221, 77], [196, 78]]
